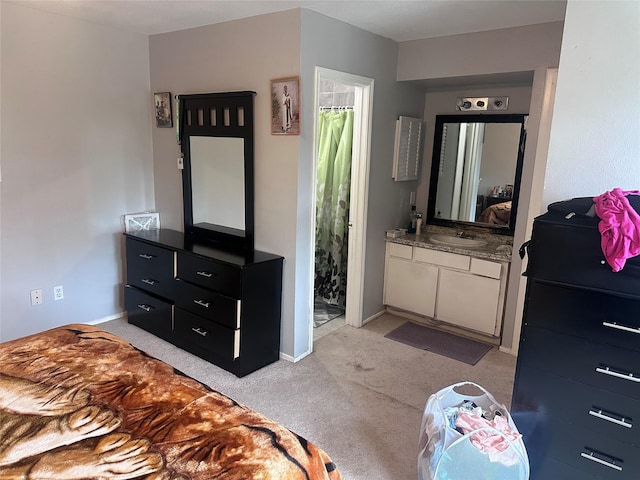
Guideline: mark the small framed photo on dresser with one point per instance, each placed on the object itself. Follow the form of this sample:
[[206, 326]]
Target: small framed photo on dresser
[[162, 103]]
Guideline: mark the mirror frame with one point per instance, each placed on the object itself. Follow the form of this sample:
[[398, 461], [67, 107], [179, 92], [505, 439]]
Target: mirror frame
[[435, 168], [227, 123]]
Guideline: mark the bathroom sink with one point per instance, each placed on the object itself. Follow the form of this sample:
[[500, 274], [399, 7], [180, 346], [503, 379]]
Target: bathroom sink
[[453, 241]]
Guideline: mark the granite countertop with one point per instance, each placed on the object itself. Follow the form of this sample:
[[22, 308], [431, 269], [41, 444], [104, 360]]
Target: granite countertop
[[498, 247]]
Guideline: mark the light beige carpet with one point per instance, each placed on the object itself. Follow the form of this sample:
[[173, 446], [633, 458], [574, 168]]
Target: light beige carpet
[[359, 396]]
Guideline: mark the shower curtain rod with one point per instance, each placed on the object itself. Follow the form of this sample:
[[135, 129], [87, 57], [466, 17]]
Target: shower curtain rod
[[335, 107]]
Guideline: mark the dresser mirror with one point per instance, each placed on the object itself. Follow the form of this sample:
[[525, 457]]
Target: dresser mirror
[[216, 138], [475, 171], [217, 174]]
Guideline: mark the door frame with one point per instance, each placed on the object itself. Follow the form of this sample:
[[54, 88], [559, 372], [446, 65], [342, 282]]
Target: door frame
[[359, 190]]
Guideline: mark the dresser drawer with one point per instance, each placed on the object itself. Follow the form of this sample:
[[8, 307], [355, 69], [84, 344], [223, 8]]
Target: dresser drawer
[[485, 268], [400, 251], [572, 254], [556, 470], [210, 274], [596, 364], [593, 454], [588, 314], [207, 335], [606, 413], [209, 304], [444, 259], [147, 311], [150, 267]]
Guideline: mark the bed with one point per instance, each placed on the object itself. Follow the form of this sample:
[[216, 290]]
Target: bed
[[498, 214], [79, 403]]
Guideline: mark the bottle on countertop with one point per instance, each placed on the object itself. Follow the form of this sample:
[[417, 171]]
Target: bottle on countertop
[[418, 223], [413, 220]]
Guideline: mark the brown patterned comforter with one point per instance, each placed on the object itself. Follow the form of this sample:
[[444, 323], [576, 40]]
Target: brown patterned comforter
[[498, 214], [79, 403]]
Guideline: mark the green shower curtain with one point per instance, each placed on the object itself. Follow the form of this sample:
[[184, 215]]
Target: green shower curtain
[[335, 138]]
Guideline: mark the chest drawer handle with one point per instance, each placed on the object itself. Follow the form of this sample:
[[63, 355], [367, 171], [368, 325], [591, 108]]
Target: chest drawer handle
[[601, 458], [205, 274], [615, 373], [144, 307], [148, 281], [202, 303], [609, 417], [145, 256], [621, 327], [199, 331]]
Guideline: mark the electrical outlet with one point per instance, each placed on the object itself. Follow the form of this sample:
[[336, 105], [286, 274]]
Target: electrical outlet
[[58, 292], [36, 297]]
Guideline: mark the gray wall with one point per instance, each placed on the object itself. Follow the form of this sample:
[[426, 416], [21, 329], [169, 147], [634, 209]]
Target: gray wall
[[185, 62], [76, 155], [232, 56], [338, 46], [495, 52]]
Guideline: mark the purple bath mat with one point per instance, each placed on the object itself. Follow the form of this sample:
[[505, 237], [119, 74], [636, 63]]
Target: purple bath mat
[[442, 343]]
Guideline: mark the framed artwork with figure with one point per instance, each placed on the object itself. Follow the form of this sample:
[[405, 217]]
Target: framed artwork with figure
[[162, 103], [285, 106]]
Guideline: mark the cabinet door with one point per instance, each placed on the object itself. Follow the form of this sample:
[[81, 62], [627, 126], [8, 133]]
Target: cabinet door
[[411, 286], [467, 300]]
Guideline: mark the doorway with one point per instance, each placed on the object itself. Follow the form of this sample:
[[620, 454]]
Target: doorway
[[338, 275]]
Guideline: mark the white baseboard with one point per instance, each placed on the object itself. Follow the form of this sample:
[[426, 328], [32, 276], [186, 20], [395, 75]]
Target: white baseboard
[[510, 351], [289, 358], [373, 317], [115, 316]]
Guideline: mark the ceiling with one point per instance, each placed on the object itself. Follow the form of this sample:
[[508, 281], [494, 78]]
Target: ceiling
[[399, 20]]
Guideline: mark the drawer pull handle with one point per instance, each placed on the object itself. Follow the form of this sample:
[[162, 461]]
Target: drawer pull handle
[[148, 281], [607, 461], [145, 256], [202, 303], [144, 307], [621, 327], [199, 331], [614, 373], [609, 417], [205, 274]]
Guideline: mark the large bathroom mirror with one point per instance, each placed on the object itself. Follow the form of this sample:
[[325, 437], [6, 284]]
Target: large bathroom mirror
[[216, 137], [476, 170]]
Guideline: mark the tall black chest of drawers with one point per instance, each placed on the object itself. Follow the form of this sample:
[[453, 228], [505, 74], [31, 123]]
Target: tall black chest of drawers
[[223, 306], [576, 395]]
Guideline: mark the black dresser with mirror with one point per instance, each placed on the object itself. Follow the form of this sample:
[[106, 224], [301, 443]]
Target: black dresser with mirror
[[207, 290], [576, 396]]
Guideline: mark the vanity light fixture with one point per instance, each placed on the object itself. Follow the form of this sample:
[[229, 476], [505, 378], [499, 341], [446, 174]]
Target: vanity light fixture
[[469, 104]]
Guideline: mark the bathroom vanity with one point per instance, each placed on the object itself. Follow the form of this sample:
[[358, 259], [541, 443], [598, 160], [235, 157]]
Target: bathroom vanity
[[450, 280], [434, 277]]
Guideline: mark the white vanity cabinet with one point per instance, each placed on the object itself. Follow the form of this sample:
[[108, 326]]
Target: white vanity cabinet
[[456, 289], [410, 285]]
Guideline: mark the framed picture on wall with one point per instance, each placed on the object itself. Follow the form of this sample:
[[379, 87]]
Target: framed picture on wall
[[162, 102], [285, 106]]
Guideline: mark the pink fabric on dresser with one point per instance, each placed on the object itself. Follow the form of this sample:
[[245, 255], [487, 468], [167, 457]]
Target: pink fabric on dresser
[[619, 227]]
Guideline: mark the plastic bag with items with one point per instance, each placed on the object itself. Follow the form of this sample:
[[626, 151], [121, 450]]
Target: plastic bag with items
[[469, 437]]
